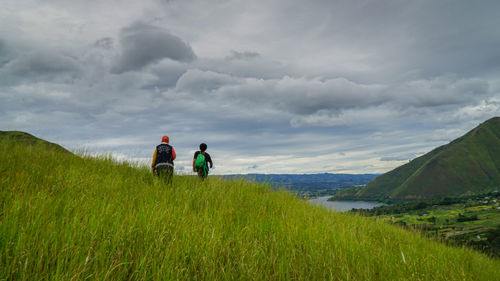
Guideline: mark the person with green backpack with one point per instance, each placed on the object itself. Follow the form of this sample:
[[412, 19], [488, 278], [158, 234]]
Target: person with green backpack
[[200, 162]]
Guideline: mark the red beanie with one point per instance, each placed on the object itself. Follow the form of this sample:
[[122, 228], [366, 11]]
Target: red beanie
[[164, 139]]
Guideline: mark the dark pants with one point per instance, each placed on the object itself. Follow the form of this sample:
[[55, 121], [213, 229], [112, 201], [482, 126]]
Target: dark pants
[[201, 173], [165, 172]]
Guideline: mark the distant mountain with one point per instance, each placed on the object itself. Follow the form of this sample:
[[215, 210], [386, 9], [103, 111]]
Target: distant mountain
[[467, 165], [309, 183], [18, 137]]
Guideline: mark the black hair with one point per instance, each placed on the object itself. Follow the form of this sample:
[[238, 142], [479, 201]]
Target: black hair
[[203, 147]]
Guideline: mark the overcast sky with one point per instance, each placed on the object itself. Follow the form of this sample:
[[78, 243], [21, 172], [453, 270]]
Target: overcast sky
[[272, 86]]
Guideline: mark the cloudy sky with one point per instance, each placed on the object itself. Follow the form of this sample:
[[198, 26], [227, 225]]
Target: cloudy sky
[[272, 86]]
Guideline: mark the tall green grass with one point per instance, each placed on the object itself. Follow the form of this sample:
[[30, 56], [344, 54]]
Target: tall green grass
[[64, 217]]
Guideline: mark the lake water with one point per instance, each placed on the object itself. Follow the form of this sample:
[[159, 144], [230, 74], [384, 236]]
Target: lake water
[[343, 206]]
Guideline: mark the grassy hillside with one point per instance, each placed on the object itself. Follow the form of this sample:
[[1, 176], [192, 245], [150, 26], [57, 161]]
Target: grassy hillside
[[75, 218], [468, 165], [22, 138]]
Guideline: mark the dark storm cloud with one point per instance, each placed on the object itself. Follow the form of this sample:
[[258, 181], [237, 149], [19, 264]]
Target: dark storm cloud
[[143, 44], [104, 43], [392, 40], [4, 53], [247, 55], [38, 64], [167, 74], [457, 37], [326, 99], [43, 62], [294, 95]]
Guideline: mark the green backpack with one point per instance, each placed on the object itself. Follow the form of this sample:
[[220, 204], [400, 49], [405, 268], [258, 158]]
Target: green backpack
[[200, 162]]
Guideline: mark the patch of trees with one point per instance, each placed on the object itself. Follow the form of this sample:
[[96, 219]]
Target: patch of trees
[[407, 206], [489, 241], [462, 218]]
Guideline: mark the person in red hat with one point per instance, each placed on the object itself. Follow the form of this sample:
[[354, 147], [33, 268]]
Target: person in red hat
[[163, 160]]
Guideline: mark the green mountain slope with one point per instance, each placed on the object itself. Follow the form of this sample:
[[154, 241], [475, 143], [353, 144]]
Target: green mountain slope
[[77, 218], [22, 138], [467, 165]]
